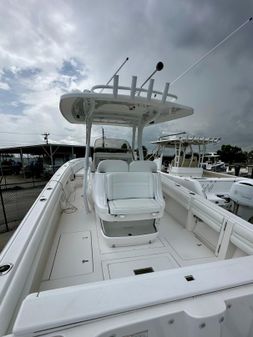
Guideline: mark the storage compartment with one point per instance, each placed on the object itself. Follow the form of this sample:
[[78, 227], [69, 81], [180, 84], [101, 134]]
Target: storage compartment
[[128, 228], [127, 233], [142, 266], [73, 256]]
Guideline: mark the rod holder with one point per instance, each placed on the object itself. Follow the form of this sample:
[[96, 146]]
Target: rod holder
[[115, 85], [150, 89], [133, 86], [165, 92]]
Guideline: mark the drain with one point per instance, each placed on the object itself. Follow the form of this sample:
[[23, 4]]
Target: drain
[[189, 278]]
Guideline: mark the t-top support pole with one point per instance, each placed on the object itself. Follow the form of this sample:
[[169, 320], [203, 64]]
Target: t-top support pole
[[86, 158], [140, 149]]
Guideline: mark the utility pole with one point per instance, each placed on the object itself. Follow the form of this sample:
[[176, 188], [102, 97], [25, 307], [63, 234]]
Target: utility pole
[[46, 136]]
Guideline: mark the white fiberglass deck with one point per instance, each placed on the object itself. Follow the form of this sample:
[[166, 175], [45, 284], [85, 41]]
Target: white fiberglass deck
[[80, 255]]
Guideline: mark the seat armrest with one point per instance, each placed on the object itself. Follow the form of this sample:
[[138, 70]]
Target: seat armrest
[[99, 195], [158, 190]]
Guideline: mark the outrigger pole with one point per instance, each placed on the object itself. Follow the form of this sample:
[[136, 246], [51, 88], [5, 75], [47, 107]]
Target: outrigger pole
[[211, 50], [116, 72]]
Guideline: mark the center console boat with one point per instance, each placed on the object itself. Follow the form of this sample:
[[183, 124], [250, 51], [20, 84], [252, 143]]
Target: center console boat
[[112, 247]]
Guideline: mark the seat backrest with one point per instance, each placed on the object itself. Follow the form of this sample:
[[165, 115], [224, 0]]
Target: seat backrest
[[242, 237], [110, 165], [143, 166], [129, 185]]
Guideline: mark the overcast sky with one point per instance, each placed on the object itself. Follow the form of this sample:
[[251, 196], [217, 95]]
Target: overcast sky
[[48, 48]]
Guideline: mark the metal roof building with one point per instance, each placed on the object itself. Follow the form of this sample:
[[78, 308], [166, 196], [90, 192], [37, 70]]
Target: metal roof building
[[51, 154]]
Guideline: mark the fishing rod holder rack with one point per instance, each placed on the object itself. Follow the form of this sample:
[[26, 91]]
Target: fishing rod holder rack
[[133, 90]]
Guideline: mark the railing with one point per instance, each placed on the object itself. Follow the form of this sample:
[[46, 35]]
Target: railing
[[15, 200], [133, 90]]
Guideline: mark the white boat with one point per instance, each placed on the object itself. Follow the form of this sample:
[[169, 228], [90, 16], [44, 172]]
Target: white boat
[[212, 162], [190, 169], [114, 248]]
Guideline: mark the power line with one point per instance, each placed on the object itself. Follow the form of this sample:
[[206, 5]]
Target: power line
[[18, 144], [18, 133], [35, 134]]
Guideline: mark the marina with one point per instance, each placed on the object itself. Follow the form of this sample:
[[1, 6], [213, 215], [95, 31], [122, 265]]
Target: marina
[[126, 169], [205, 176]]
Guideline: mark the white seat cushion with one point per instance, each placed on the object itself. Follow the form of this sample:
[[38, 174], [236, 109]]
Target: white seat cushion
[[136, 195], [143, 166], [134, 206], [130, 185], [111, 165]]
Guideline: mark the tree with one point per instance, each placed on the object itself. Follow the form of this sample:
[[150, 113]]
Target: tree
[[250, 157], [232, 154]]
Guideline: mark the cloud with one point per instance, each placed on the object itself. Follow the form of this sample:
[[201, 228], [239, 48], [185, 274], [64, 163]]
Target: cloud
[[59, 46], [4, 86]]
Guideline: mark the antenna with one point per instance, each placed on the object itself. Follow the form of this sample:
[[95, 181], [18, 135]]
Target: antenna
[[158, 67], [174, 134], [116, 72], [212, 50]]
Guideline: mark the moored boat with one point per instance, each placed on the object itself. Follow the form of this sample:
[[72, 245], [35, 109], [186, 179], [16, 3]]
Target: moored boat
[[190, 169]]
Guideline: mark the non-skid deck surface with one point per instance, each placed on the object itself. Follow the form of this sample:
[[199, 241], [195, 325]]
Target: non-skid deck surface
[[80, 255]]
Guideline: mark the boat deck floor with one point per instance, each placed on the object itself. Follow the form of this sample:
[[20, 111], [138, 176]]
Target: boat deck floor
[[80, 255]]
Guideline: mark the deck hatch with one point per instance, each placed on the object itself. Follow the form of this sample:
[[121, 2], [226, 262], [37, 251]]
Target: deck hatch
[[140, 265], [73, 256]]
